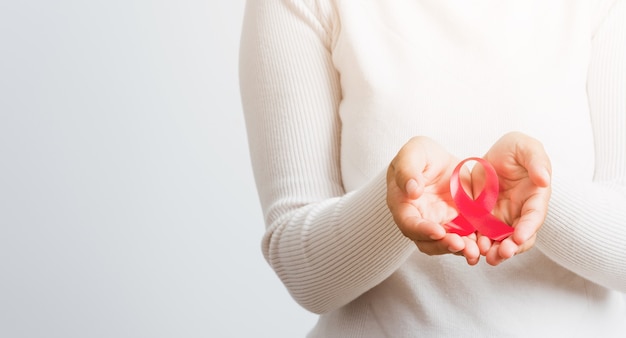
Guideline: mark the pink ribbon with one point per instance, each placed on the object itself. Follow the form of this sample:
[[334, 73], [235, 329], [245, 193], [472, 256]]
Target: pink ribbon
[[475, 215]]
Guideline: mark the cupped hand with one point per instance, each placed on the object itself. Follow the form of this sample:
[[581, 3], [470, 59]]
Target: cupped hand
[[524, 174], [418, 196]]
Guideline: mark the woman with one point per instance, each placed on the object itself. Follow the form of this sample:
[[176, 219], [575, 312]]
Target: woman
[[358, 113]]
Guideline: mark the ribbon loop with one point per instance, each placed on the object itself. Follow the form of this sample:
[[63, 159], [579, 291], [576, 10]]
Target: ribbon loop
[[475, 214]]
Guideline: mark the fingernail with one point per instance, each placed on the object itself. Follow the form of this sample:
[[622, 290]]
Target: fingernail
[[545, 178], [524, 236], [436, 237], [411, 186]]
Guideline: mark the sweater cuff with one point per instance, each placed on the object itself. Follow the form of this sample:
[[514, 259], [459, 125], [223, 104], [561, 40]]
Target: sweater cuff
[[585, 232]]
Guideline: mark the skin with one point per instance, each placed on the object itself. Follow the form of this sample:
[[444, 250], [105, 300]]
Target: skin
[[419, 198], [524, 174]]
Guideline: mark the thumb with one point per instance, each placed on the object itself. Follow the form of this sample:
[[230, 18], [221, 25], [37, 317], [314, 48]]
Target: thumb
[[408, 179], [540, 171], [408, 167], [536, 161]]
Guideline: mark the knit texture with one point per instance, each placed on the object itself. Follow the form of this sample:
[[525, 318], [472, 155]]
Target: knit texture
[[332, 89]]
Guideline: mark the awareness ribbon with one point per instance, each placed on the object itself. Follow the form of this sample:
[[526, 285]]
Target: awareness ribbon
[[475, 215]]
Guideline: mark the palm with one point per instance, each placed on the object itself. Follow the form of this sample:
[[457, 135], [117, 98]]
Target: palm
[[513, 196], [523, 170], [515, 187], [419, 199], [435, 203]]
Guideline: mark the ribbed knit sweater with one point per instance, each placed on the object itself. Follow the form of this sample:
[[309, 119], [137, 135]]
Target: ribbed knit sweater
[[331, 90]]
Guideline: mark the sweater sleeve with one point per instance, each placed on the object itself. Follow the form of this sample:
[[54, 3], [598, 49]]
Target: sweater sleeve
[[585, 230], [327, 246]]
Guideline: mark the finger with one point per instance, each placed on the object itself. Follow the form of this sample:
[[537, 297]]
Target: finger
[[415, 187], [419, 162], [409, 182], [471, 251], [529, 244], [493, 257], [533, 214], [534, 158], [484, 244], [450, 243], [507, 249], [417, 228], [539, 171], [407, 168]]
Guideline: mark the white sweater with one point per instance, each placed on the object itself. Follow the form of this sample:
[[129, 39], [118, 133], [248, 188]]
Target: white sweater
[[332, 89]]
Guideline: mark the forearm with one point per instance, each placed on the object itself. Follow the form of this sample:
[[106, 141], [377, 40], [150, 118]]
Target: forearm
[[585, 231], [586, 226], [328, 247], [328, 253]]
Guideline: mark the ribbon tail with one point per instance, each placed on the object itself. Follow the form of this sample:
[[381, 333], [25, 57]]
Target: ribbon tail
[[460, 226], [493, 228]]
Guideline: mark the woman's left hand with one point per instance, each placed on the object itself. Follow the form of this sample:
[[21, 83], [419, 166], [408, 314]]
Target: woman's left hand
[[524, 174]]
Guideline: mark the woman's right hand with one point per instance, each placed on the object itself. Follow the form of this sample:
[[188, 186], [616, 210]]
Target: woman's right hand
[[419, 198], [524, 174]]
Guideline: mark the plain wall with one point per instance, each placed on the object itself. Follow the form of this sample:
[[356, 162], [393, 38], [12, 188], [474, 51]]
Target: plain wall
[[127, 203]]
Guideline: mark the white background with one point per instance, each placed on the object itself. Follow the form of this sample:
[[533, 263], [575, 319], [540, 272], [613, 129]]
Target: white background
[[127, 203]]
